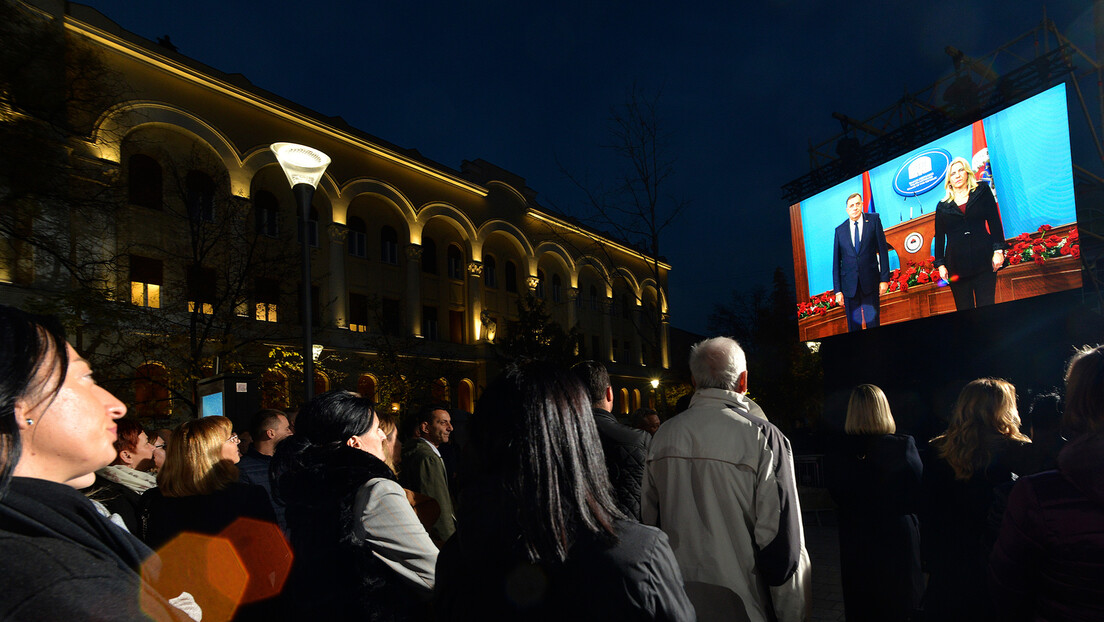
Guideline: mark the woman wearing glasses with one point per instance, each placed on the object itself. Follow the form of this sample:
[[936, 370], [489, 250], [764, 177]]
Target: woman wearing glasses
[[198, 492]]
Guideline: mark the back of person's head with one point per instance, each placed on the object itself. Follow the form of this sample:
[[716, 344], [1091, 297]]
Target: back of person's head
[[595, 377], [717, 363], [127, 433], [533, 439], [868, 412], [264, 420], [640, 416], [391, 431], [1045, 413], [332, 418], [985, 410], [193, 459], [33, 365], [1085, 392]]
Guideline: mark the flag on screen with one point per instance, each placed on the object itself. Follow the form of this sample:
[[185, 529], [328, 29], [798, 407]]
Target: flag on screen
[[868, 197], [983, 170]]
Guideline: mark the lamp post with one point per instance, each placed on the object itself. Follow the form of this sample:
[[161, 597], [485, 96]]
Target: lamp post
[[304, 167]]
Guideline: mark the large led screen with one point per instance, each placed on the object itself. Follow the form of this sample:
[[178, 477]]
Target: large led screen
[[1003, 183]]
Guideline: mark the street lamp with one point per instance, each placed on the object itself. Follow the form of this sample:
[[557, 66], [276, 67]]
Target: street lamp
[[304, 167]]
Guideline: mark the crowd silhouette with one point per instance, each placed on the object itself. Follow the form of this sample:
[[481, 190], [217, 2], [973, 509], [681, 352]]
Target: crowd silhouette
[[561, 513]]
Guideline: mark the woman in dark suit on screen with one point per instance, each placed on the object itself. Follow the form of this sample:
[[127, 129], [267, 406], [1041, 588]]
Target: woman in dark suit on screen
[[969, 238]]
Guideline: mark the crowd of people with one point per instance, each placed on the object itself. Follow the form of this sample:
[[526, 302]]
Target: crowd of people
[[549, 509]]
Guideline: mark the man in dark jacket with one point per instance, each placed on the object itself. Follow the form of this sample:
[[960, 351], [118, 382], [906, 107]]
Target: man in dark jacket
[[626, 448], [268, 427]]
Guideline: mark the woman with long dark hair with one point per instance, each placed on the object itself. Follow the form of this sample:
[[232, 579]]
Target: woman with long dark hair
[[982, 450], [61, 559], [360, 552], [874, 476], [539, 535]]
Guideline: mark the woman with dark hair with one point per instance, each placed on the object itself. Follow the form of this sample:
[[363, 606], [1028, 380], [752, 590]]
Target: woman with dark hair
[[874, 477], [360, 552], [61, 559], [981, 450], [1046, 564], [539, 535]]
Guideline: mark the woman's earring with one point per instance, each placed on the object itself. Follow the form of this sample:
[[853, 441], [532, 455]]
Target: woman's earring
[[30, 421]]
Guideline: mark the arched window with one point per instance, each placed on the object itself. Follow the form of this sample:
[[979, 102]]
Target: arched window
[[557, 288], [429, 256], [199, 196], [455, 262], [593, 298], [151, 390], [266, 211], [635, 399], [490, 277], [389, 245], [439, 391], [623, 398], [312, 227], [358, 237], [366, 386], [321, 383], [144, 185], [465, 395], [540, 284], [511, 277]]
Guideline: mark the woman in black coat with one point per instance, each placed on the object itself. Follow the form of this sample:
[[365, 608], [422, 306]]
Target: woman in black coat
[[969, 238], [981, 454], [874, 477]]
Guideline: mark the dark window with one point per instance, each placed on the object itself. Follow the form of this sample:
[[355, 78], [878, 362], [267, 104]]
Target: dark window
[[312, 226], [151, 391], [144, 184], [358, 237], [429, 323], [613, 350], [511, 277], [456, 326], [429, 256], [593, 298], [391, 319], [266, 294], [358, 313], [145, 281], [540, 284], [557, 288], [596, 346], [199, 196], [389, 245], [490, 278], [455, 263], [626, 312], [201, 289], [266, 212]]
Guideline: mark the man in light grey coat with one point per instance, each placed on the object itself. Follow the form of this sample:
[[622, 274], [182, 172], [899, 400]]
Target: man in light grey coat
[[720, 482]]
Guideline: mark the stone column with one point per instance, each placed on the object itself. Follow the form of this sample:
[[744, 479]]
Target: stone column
[[637, 345], [606, 305], [665, 360], [475, 301], [414, 288], [335, 294], [572, 307]]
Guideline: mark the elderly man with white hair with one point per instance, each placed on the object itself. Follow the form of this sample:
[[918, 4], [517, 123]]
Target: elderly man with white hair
[[720, 482]]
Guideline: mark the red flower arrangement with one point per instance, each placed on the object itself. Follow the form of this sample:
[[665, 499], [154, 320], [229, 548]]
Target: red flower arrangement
[[1038, 247]]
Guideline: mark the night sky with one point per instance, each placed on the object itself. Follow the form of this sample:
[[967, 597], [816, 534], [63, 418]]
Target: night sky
[[745, 88]]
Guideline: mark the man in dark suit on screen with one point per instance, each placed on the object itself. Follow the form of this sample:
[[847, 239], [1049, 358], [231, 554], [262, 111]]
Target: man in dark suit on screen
[[860, 265]]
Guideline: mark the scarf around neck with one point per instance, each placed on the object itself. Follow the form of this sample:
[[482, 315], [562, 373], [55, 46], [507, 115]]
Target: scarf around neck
[[135, 480]]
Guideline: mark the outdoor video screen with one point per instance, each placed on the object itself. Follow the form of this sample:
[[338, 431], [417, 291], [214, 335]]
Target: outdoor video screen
[[918, 236]]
